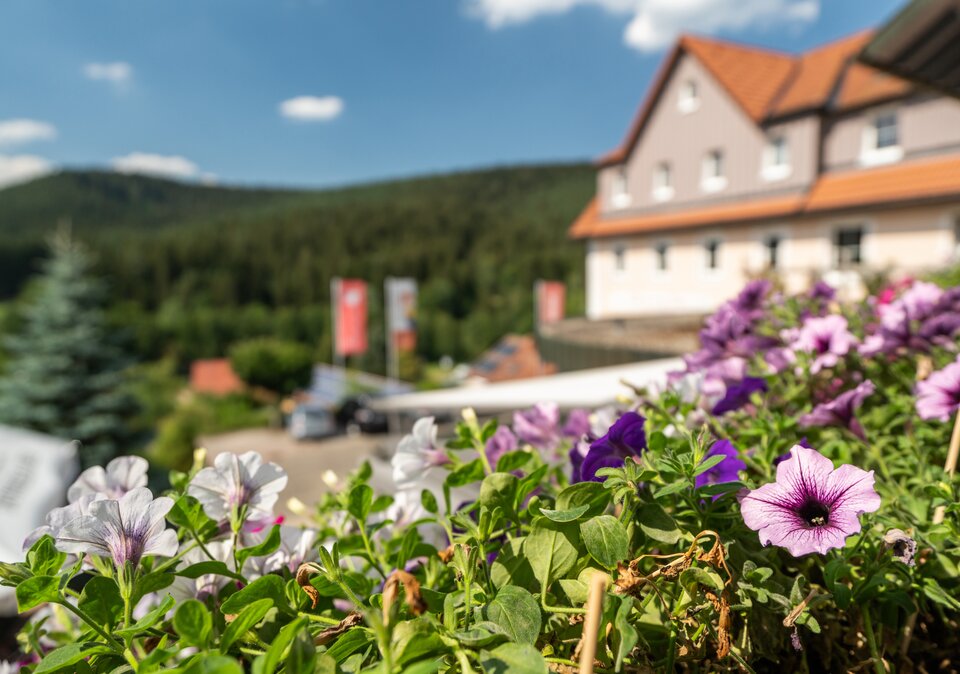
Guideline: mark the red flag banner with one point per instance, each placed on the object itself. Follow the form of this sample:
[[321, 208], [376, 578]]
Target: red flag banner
[[402, 312], [551, 301], [350, 311]]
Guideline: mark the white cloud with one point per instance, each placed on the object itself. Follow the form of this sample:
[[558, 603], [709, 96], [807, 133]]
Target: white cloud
[[655, 24], [312, 108], [164, 166], [19, 131], [21, 168], [115, 72]]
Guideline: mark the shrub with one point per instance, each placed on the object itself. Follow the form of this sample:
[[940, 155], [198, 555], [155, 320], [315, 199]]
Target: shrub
[[276, 365]]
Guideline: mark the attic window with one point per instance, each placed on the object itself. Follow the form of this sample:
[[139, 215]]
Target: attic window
[[689, 99], [712, 177], [881, 139], [662, 182], [776, 159], [619, 192]]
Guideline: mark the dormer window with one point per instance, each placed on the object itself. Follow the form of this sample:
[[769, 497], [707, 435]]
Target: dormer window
[[881, 139], [689, 97], [776, 159], [619, 192], [712, 178], [662, 182]]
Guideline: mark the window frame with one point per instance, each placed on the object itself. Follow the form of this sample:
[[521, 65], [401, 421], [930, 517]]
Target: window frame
[[713, 176], [773, 168], [688, 97], [837, 254], [662, 190], [871, 152], [620, 188]]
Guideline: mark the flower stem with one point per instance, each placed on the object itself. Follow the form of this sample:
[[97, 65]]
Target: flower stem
[[872, 642], [950, 466], [94, 626]]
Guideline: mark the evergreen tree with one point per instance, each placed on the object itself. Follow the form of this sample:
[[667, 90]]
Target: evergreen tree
[[65, 374]]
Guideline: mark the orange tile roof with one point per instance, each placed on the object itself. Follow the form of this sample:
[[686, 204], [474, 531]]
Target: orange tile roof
[[911, 182], [214, 376], [768, 84]]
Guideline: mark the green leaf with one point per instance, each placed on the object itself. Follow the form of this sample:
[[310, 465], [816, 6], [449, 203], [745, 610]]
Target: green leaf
[[499, 490], [574, 590], [350, 643], [517, 612], [568, 515], [101, 601], [708, 463], [513, 659], [208, 568], [213, 664], [591, 494], [44, 559], [359, 501], [691, 578], [303, 655], [657, 524], [244, 622], [429, 502], [414, 640], [187, 513], [552, 549], [266, 547], [151, 582], [266, 587], [37, 590], [481, 634], [512, 461], [269, 662], [193, 623], [511, 567], [466, 474], [670, 489], [68, 655], [606, 540], [155, 615], [627, 635]]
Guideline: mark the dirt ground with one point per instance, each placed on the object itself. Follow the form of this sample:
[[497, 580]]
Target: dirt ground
[[306, 461]]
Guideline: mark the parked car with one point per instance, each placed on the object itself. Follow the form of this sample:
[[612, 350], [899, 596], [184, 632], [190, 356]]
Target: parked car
[[355, 415], [307, 422]]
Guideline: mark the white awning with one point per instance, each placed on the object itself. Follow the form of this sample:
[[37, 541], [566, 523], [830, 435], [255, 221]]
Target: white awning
[[584, 388]]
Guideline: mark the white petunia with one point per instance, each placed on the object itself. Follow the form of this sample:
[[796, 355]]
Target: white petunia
[[125, 530], [9, 667], [209, 584], [416, 454], [238, 484], [296, 547], [123, 474], [60, 517]]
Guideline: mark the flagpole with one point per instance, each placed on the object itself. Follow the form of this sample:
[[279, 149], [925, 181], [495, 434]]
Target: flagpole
[[393, 360], [338, 360]]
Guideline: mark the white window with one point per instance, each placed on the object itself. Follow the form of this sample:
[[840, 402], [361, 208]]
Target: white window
[[881, 139], [661, 251], [848, 247], [772, 246], [712, 178], [689, 98], [619, 192], [776, 159], [620, 257], [663, 182], [712, 250]]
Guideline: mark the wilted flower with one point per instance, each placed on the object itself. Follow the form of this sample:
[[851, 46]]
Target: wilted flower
[[812, 507], [727, 470], [827, 338], [502, 441], [739, 394], [938, 396], [626, 438], [901, 546], [840, 411], [123, 474], [126, 530], [539, 425], [417, 453], [238, 486]]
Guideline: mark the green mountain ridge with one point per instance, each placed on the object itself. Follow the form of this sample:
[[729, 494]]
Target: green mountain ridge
[[194, 267]]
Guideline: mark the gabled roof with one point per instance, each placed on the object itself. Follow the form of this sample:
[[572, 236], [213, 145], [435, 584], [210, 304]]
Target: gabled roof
[[902, 184], [767, 84]]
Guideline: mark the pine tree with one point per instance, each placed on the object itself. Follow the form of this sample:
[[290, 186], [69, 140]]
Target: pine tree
[[65, 373]]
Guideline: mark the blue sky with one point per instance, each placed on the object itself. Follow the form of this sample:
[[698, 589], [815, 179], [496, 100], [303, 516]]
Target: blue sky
[[381, 88]]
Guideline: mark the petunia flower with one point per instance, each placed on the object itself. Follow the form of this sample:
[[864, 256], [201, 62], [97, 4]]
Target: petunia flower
[[209, 584], [416, 454], [727, 470], [626, 438], [737, 395], [123, 474], [902, 546], [296, 547], [125, 530], [58, 518], [938, 396], [812, 506], [841, 410], [539, 425], [827, 338], [578, 423], [502, 441], [238, 486]]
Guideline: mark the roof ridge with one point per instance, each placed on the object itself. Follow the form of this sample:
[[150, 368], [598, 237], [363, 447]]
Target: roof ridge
[[745, 46]]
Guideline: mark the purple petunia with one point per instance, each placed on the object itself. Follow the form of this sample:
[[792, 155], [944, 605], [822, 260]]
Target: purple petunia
[[539, 425], [938, 396], [727, 470], [502, 441], [812, 506], [625, 439], [841, 410], [578, 423], [739, 394], [827, 339]]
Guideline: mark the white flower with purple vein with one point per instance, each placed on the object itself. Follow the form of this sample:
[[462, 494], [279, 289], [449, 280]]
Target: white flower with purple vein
[[238, 486], [121, 475]]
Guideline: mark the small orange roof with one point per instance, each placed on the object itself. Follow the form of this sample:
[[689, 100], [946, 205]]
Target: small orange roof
[[214, 376], [768, 84], [911, 182]]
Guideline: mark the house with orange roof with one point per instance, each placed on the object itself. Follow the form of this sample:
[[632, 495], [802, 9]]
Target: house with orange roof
[[745, 161]]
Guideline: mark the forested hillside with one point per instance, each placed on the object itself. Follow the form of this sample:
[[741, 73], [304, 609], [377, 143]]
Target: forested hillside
[[193, 268]]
